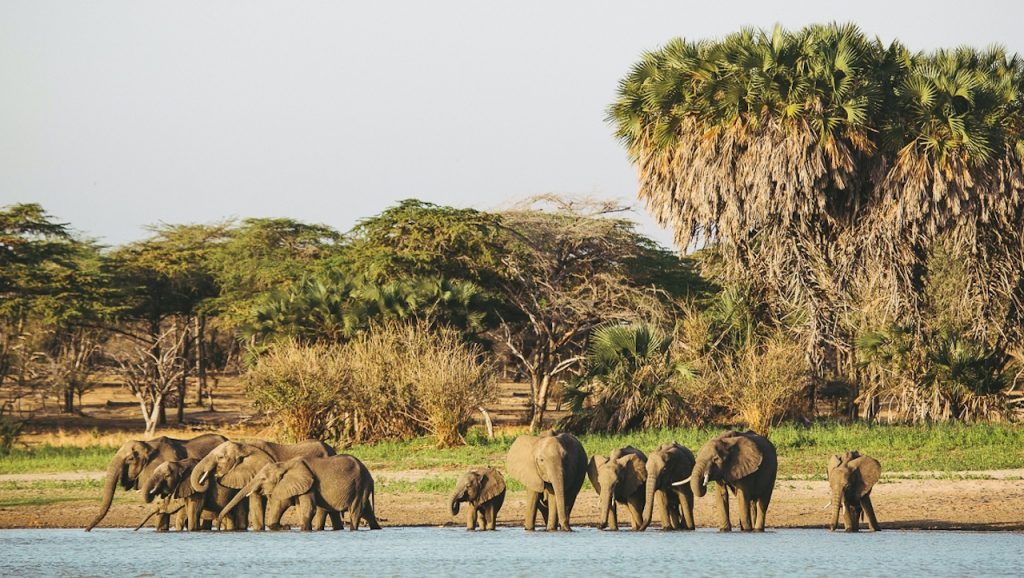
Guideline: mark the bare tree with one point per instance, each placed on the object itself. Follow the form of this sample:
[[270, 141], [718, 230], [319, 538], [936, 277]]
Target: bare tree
[[153, 372], [565, 275]]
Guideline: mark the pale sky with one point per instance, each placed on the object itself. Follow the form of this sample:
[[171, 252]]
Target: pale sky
[[119, 114]]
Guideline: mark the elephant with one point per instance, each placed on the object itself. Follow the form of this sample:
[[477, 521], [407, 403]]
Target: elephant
[[135, 461], [851, 477], [619, 478], [747, 464], [337, 484], [169, 488], [667, 465], [234, 464], [552, 466], [483, 489]]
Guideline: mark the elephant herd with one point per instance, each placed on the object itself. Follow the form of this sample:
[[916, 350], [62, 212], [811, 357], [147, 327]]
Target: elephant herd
[[238, 485], [241, 484]]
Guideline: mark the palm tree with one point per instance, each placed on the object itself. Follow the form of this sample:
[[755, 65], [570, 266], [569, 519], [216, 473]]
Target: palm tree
[[820, 159], [630, 381]]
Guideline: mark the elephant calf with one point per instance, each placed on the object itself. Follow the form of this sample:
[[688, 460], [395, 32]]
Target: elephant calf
[[483, 489], [851, 477], [619, 478], [170, 484]]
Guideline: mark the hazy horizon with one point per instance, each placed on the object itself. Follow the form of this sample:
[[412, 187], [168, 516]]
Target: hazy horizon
[[117, 115]]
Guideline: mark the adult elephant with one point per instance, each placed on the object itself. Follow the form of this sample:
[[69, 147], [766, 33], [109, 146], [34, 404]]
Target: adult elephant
[[668, 464], [619, 478], [234, 464], [747, 464], [338, 484], [851, 477], [552, 466], [136, 461]]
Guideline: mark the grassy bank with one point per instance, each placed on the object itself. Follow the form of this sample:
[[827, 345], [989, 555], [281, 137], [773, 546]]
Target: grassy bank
[[803, 451]]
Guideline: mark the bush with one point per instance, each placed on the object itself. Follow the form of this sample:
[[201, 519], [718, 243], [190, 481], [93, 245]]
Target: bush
[[10, 432], [301, 385], [394, 382]]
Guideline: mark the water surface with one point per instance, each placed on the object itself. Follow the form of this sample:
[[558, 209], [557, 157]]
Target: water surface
[[509, 552]]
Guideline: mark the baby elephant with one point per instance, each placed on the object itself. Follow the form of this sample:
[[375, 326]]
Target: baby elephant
[[169, 482], [484, 490], [619, 478], [851, 477]]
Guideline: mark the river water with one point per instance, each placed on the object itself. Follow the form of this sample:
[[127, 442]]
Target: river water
[[509, 552]]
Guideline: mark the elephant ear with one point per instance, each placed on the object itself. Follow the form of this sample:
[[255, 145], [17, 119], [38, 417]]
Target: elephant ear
[[184, 487], [635, 474], [492, 485], [246, 470], [297, 481], [743, 459], [593, 468], [833, 463], [521, 464], [870, 470]]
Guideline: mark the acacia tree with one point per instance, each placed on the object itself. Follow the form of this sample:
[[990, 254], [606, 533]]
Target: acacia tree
[[820, 160], [565, 274]]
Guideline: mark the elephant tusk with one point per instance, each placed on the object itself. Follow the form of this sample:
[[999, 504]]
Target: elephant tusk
[[202, 478], [154, 490], [827, 506], [706, 476], [682, 482], [250, 493]]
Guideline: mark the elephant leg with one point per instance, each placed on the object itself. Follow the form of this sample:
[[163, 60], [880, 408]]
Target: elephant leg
[[490, 516], [552, 512], [869, 509], [336, 523], [663, 511], [257, 512], [320, 519], [685, 498], [163, 522], [744, 502], [849, 518], [636, 512], [307, 510], [471, 513], [724, 524], [206, 525], [760, 510], [194, 513], [673, 509], [613, 517], [531, 510]]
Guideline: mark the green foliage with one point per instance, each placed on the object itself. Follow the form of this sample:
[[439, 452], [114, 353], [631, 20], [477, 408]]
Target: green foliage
[[48, 458], [629, 381]]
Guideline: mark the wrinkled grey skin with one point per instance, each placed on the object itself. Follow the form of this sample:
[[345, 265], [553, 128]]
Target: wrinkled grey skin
[[619, 479], [337, 484], [169, 491], [483, 491], [552, 466], [135, 461], [851, 477], [747, 464], [668, 464], [234, 464]]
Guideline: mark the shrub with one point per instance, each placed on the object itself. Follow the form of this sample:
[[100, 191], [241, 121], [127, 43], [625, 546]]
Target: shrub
[[301, 385], [395, 381]]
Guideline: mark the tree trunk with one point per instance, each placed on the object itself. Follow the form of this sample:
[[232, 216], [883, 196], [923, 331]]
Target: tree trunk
[[540, 403], [200, 359], [69, 399], [182, 381]]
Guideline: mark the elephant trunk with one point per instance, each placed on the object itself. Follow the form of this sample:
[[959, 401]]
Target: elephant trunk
[[149, 488], [558, 485], [200, 478], [115, 471], [456, 502], [837, 504], [607, 495], [652, 486], [699, 479], [238, 497]]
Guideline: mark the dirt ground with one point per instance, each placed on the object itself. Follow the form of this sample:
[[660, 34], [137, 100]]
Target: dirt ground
[[995, 504]]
